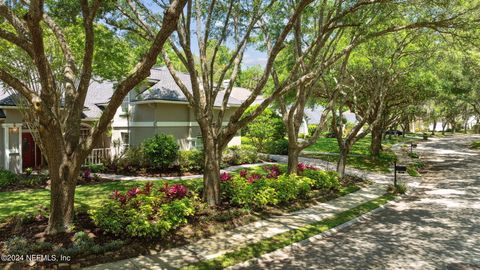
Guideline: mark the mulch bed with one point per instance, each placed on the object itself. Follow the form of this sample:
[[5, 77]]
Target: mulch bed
[[205, 223]]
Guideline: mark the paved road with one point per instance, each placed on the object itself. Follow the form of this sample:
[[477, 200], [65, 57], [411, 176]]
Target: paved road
[[436, 227]]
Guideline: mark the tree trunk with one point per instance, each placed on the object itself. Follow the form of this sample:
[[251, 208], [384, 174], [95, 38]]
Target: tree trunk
[[63, 178], [342, 161], [376, 142], [434, 127], [293, 154], [211, 176]]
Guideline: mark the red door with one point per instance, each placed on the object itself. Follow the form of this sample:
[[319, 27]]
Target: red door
[[28, 150]]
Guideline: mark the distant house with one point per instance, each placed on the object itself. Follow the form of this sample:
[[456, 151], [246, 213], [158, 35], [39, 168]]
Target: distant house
[[157, 106]]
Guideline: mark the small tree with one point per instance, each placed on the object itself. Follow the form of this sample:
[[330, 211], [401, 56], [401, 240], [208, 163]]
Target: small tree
[[265, 129], [161, 150]]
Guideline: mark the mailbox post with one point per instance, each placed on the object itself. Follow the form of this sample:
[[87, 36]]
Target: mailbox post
[[399, 169], [412, 145]]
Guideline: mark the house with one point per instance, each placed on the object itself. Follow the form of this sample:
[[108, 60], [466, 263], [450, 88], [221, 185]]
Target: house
[[156, 106]]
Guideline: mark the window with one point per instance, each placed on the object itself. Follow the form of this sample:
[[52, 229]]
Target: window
[[125, 103], [198, 143], [84, 133], [125, 139]]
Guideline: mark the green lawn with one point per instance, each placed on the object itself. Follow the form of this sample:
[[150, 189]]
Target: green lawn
[[361, 147], [365, 163], [89, 196], [360, 157], [475, 145]]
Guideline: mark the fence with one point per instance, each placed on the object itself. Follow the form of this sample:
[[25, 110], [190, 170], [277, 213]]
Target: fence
[[98, 155]]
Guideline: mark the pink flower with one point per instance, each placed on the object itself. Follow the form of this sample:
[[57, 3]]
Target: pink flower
[[301, 167], [254, 177], [176, 191], [225, 177], [273, 171], [243, 173], [133, 192], [148, 188]]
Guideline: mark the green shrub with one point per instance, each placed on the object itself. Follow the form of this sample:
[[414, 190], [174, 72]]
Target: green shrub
[[400, 188], [412, 171], [291, 187], [266, 128], [190, 161], [237, 155], [18, 246], [7, 178], [323, 179], [257, 191], [133, 160], [278, 147], [256, 194], [145, 213], [96, 168], [413, 155], [161, 150]]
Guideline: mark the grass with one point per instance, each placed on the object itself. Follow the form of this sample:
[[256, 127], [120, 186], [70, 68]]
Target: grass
[[360, 157], [86, 196], [475, 145], [366, 163], [285, 239], [361, 147]]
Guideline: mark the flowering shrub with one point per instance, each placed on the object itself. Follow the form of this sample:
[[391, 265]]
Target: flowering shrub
[[146, 212], [176, 191], [254, 190], [302, 167], [323, 179], [273, 171], [254, 177], [225, 177]]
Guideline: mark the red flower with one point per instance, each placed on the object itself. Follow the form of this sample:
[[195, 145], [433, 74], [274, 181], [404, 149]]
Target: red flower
[[243, 173], [148, 188], [176, 191], [273, 171], [301, 167], [254, 177], [225, 177], [133, 192]]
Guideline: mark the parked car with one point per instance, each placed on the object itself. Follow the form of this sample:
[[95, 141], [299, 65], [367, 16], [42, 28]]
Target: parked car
[[394, 132]]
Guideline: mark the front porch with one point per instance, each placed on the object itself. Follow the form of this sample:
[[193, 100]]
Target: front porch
[[19, 150]]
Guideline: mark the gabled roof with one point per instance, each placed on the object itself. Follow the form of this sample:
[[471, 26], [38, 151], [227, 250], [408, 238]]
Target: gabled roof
[[161, 87], [167, 89]]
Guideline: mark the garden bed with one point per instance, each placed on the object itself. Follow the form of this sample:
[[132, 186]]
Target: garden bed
[[90, 244]]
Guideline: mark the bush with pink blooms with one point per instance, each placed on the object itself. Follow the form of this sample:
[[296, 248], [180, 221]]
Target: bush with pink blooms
[[259, 188], [145, 212]]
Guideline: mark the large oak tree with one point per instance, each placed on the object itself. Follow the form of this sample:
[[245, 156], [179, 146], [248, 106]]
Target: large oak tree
[[52, 81]]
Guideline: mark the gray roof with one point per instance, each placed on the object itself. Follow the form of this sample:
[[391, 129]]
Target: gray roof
[[312, 115], [7, 99], [165, 88]]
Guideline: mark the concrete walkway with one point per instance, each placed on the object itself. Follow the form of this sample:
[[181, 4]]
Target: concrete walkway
[[226, 241], [119, 177], [437, 227]]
